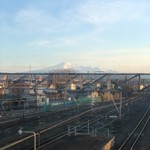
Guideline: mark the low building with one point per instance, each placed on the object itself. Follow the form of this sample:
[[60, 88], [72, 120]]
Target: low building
[[19, 88], [1, 91]]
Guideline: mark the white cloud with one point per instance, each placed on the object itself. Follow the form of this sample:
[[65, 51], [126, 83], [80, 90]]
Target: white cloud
[[40, 42], [44, 19], [59, 42], [34, 20], [98, 12]]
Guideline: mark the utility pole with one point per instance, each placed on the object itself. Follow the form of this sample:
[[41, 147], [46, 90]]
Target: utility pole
[[30, 75], [139, 82], [35, 92], [120, 112]]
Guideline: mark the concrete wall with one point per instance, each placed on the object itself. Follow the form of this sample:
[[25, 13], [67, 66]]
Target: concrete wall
[[109, 144]]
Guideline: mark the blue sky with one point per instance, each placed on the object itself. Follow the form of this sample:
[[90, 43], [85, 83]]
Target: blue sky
[[112, 34]]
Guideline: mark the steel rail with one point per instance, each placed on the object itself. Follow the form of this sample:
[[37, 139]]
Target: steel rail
[[57, 125], [15, 143], [81, 125], [64, 133], [140, 133], [133, 131], [47, 129]]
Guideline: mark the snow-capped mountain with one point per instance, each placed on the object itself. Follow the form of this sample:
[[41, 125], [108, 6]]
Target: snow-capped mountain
[[74, 67]]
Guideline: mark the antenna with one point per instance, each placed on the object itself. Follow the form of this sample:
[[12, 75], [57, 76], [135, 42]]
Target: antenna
[[30, 75]]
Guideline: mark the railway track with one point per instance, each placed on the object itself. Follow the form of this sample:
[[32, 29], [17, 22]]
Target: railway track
[[61, 129], [23, 118], [83, 124], [60, 133], [132, 139], [51, 128]]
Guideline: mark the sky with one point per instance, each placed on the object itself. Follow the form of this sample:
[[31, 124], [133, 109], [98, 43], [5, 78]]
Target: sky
[[111, 34]]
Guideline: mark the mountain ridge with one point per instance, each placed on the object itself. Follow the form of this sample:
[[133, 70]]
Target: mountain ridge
[[74, 67]]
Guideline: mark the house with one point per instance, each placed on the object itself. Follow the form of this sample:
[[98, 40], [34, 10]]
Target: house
[[72, 87], [19, 88], [1, 90]]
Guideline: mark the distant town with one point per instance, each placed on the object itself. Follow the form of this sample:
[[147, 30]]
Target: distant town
[[68, 106], [32, 89]]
